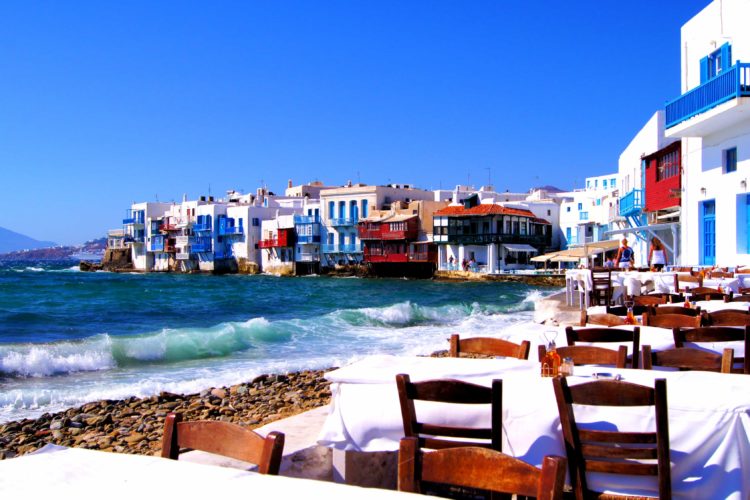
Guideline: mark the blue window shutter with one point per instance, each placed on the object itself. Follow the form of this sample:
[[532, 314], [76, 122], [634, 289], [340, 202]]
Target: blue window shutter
[[704, 70], [726, 56]]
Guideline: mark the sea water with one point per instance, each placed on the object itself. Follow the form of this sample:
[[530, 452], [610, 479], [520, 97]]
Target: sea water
[[69, 337]]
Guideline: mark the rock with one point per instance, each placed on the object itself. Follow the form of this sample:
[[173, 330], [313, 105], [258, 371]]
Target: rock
[[219, 393]]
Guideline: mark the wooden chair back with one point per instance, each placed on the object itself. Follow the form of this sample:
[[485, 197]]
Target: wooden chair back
[[597, 335], [614, 452], [728, 317], [687, 358], [601, 319], [478, 468], [649, 300], [700, 296], [223, 438], [671, 320], [451, 392], [687, 311], [590, 355], [720, 274], [601, 289], [715, 334], [638, 309], [736, 298], [488, 346], [689, 282]]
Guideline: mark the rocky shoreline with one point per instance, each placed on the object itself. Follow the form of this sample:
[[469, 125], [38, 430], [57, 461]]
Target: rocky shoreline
[[135, 425]]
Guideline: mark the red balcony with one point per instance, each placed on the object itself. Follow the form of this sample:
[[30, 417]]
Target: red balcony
[[285, 238], [369, 232], [404, 234], [401, 230], [393, 257], [168, 227]]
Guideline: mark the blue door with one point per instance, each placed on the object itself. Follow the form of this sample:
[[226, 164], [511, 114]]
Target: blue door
[[709, 233]]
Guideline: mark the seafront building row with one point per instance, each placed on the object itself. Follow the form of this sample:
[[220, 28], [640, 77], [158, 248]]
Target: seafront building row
[[683, 178]]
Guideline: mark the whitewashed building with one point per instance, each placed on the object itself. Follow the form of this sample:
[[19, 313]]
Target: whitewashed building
[[712, 117], [586, 214]]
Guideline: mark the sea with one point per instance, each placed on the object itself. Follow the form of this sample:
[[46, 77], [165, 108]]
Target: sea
[[69, 337]]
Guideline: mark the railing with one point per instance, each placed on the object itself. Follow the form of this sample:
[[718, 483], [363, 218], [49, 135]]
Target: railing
[[268, 243], [727, 85], [306, 219], [352, 248], [308, 238], [201, 247], [202, 228], [631, 203], [129, 220], [369, 233], [229, 231], [404, 234], [168, 227], [343, 221], [116, 233], [389, 257], [182, 256], [481, 239], [307, 257]]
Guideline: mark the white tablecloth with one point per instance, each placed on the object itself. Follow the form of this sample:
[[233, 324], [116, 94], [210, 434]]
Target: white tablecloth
[[709, 417], [77, 473]]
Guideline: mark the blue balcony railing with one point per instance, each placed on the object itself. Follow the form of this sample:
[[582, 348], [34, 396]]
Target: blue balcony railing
[[727, 85], [631, 203], [228, 231], [352, 248], [129, 220], [202, 228], [308, 238], [201, 247], [343, 221], [306, 219]]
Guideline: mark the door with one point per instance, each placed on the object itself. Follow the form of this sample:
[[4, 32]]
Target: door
[[708, 233]]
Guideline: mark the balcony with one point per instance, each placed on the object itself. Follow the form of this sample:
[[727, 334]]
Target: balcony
[[307, 257], [711, 106], [487, 238], [202, 228], [201, 247], [390, 257], [231, 230], [352, 248], [632, 203], [182, 256], [306, 219], [308, 238], [343, 221], [168, 227], [129, 220], [268, 243]]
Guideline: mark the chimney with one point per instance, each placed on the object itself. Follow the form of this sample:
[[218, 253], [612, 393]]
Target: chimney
[[349, 183], [289, 183]]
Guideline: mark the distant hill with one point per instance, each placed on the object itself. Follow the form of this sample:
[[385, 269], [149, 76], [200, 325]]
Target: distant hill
[[11, 241], [91, 250]]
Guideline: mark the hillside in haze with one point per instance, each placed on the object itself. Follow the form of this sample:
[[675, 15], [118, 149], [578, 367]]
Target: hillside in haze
[[11, 241]]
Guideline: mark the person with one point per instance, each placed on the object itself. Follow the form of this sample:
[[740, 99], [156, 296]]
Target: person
[[450, 263], [625, 256], [610, 262], [657, 254]]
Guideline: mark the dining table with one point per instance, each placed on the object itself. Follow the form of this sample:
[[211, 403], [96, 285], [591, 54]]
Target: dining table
[[709, 417], [61, 472]]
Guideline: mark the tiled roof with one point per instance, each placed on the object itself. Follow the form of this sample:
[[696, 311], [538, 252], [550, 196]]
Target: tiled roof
[[488, 209]]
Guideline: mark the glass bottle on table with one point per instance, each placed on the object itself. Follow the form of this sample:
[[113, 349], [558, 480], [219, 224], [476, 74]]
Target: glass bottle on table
[[630, 316], [687, 298], [551, 361]]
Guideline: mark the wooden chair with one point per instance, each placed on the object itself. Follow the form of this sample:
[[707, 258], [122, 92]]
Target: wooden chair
[[590, 355], [602, 335], [223, 438], [687, 358], [649, 300], [715, 334], [614, 451], [488, 346], [454, 392], [601, 286], [705, 293], [601, 319], [736, 298], [623, 310], [671, 298], [690, 282], [687, 311], [720, 274], [671, 320], [478, 468], [728, 317]]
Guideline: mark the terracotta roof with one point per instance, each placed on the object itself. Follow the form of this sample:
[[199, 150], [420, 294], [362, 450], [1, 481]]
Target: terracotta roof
[[484, 209], [541, 221]]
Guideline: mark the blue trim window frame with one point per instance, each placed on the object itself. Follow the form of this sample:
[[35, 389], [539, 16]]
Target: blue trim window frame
[[729, 160], [580, 206], [716, 62]]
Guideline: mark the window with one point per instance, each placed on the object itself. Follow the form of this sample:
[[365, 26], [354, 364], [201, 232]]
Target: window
[[604, 184], [549, 212], [331, 209], [730, 160], [342, 210], [596, 183], [668, 165], [588, 184], [364, 208], [256, 221], [612, 182], [716, 62], [580, 206], [568, 209], [598, 201]]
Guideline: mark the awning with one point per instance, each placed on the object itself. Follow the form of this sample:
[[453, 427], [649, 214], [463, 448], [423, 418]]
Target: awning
[[545, 257], [520, 248], [603, 245]]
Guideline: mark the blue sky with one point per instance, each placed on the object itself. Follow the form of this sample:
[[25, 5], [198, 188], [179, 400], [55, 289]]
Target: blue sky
[[104, 103]]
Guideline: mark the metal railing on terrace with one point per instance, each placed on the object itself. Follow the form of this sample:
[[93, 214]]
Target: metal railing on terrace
[[201, 247], [202, 228], [343, 221], [631, 203], [308, 238], [229, 231], [352, 248], [727, 85], [531, 239], [306, 219]]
